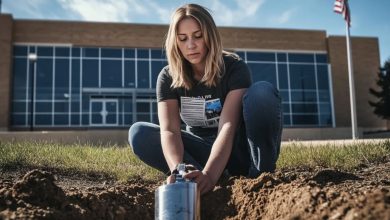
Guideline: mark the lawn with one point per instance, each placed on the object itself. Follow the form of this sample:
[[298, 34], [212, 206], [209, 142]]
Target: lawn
[[120, 162]]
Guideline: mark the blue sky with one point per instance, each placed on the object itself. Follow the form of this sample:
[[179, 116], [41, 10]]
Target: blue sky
[[369, 17]]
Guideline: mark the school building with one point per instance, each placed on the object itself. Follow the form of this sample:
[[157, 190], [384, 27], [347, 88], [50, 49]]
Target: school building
[[94, 76]]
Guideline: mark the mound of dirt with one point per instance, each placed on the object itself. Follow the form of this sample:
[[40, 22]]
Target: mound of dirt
[[287, 194], [38, 188]]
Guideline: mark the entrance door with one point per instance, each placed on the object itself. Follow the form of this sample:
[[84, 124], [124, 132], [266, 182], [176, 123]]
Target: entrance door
[[103, 112]]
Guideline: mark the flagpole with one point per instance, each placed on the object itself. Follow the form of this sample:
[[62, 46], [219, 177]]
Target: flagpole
[[351, 86]]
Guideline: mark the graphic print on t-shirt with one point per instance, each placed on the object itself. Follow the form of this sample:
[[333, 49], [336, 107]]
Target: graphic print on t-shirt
[[197, 112]]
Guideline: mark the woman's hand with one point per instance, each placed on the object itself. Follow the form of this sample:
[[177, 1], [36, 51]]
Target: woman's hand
[[171, 179], [204, 181]]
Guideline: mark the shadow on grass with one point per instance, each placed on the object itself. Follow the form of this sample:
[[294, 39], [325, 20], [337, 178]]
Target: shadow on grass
[[20, 167]]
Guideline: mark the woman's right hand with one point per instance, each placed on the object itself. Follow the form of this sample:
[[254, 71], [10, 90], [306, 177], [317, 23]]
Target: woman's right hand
[[171, 179]]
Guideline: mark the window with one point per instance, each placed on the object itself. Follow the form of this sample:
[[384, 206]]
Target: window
[[20, 84], [75, 52], [45, 51], [307, 119], [322, 76], [303, 96], [44, 79], [62, 51], [143, 53], [43, 120], [283, 76], [158, 54], [20, 50], [282, 57], [263, 72], [62, 107], [157, 66], [19, 106], [259, 56], [61, 119], [61, 85], [111, 71], [43, 107], [322, 58], [129, 74], [75, 120], [111, 53], [301, 76], [90, 52], [75, 80], [127, 111], [129, 53], [67, 78], [143, 74], [18, 120], [90, 73], [300, 58]]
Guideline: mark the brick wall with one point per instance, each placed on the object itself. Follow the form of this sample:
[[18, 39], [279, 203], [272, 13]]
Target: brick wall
[[274, 39], [5, 69], [138, 35], [365, 57], [90, 33]]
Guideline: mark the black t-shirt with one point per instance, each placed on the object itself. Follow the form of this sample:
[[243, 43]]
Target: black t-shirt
[[200, 107]]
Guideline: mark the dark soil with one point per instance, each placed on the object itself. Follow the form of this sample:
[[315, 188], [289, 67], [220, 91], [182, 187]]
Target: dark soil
[[299, 193]]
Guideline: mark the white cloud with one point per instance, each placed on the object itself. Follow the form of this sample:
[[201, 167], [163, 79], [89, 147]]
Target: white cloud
[[231, 13], [97, 10], [285, 16], [117, 10], [222, 14], [163, 13], [30, 8], [241, 10], [249, 7]]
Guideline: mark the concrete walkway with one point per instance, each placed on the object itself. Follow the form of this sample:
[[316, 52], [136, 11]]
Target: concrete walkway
[[119, 137], [336, 142]]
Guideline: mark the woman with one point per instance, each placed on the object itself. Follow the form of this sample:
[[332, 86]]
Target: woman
[[231, 125]]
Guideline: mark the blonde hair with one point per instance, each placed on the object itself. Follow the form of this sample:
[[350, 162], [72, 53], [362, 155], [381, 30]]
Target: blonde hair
[[180, 68]]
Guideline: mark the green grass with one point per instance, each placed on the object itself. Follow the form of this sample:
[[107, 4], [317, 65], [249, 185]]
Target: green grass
[[341, 156], [116, 161], [120, 162]]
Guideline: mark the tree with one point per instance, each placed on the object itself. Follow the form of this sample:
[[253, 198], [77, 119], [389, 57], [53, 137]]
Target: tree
[[382, 106]]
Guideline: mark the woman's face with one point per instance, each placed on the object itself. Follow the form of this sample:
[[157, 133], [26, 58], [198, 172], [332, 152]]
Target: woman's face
[[191, 42]]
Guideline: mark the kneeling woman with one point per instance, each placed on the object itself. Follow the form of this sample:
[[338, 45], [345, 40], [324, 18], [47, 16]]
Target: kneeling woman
[[232, 125]]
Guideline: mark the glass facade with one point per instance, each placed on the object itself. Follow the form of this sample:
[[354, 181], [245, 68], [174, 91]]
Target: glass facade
[[115, 87], [303, 80]]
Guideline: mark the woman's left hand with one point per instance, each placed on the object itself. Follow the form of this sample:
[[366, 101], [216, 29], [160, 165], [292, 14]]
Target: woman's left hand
[[204, 180]]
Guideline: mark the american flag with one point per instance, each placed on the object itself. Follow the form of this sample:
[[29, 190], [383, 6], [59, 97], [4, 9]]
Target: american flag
[[342, 7]]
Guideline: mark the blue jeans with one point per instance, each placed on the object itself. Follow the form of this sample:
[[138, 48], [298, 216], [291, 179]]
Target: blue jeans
[[256, 144]]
